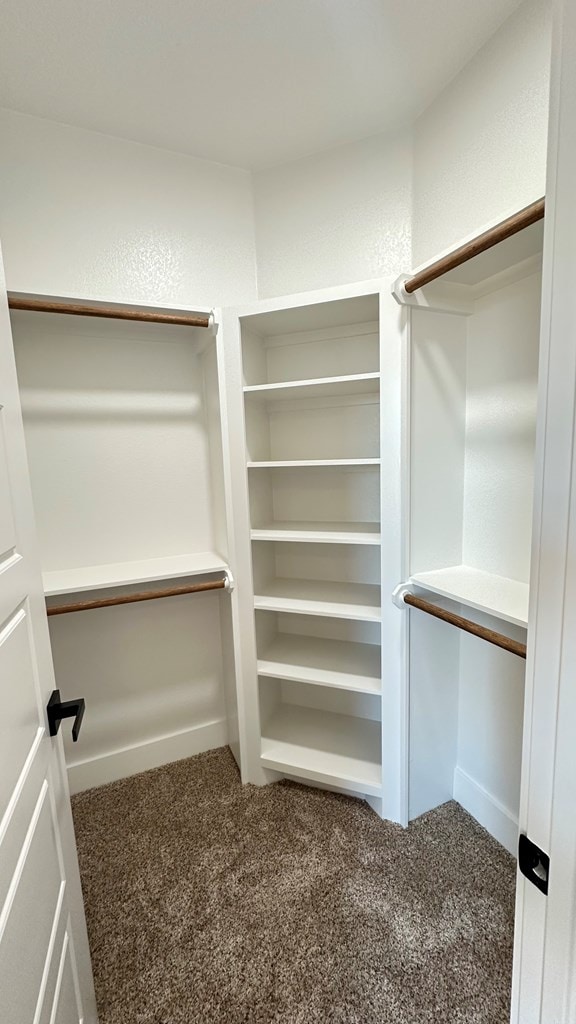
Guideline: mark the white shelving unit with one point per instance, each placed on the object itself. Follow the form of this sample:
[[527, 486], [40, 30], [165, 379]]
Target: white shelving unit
[[311, 393]]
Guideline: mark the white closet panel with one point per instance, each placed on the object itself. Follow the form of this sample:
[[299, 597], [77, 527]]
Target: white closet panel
[[123, 432]]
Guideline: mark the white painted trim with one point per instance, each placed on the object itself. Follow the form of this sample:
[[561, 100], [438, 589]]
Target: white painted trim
[[373, 286], [486, 809], [544, 975], [118, 764]]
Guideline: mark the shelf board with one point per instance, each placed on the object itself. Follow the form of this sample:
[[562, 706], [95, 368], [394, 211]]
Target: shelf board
[[116, 574], [323, 746], [496, 595], [319, 533], [315, 660], [358, 601], [312, 463], [318, 387]]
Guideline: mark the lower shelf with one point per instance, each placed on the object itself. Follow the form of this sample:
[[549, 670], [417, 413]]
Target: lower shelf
[[324, 747], [309, 659], [359, 601]]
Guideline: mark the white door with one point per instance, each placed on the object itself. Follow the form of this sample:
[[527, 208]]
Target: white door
[[45, 973], [544, 990]]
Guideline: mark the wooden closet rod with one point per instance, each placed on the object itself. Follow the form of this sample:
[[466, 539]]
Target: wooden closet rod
[[498, 639], [109, 312], [142, 595], [511, 226]]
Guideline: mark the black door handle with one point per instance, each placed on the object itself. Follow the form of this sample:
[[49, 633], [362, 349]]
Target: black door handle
[[58, 709]]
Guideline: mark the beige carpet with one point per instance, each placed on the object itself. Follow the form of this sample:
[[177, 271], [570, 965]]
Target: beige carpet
[[210, 902]]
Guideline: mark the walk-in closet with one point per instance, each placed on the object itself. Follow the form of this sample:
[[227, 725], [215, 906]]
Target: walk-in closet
[[287, 513]]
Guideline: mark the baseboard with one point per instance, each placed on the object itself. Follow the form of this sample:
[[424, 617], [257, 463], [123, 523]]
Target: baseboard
[[488, 811], [119, 764]]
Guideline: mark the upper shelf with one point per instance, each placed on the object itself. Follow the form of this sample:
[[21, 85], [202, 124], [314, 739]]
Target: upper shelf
[[496, 595], [312, 463], [116, 574], [319, 387]]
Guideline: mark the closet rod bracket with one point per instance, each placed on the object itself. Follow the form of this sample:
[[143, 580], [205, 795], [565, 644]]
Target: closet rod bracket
[[399, 594], [229, 581]]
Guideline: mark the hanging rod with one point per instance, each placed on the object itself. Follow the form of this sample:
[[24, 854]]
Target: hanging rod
[[141, 595], [511, 226], [109, 312], [498, 639]]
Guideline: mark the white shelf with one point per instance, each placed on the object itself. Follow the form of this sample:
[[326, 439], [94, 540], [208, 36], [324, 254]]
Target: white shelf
[[324, 747], [319, 533], [496, 595], [358, 601], [314, 660], [98, 577], [312, 463], [319, 387]]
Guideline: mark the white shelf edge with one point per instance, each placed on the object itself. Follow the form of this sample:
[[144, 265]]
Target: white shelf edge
[[352, 378], [494, 595], [313, 463], [117, 574], [300, 606], [316, 536], [352, 785], [267, 669]]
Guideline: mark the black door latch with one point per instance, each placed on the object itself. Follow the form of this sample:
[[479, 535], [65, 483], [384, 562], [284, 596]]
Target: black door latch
[[533, 863], [58, 709]]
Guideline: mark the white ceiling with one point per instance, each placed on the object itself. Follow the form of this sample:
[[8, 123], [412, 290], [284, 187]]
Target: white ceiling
[[245, 82]]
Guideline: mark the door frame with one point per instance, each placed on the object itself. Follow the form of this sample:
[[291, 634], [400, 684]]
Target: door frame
[[544, 981]]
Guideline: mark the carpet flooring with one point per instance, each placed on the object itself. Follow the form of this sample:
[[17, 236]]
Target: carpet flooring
[[209, 902]]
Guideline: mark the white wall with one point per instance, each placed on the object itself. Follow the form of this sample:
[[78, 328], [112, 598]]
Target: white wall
[[86, 215], [340, 217], [480, 148]]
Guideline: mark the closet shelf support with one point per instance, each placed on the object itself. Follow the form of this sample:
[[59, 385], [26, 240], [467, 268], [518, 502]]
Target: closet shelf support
[[227, 583], [403, 596]]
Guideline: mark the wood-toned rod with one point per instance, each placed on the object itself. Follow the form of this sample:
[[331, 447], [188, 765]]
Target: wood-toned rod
[[141, 595], [498, 639], [109, 312], [511, 226]]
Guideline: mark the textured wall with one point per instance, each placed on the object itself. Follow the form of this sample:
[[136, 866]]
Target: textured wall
[[83, 214], [480, 148], [339, 217]]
